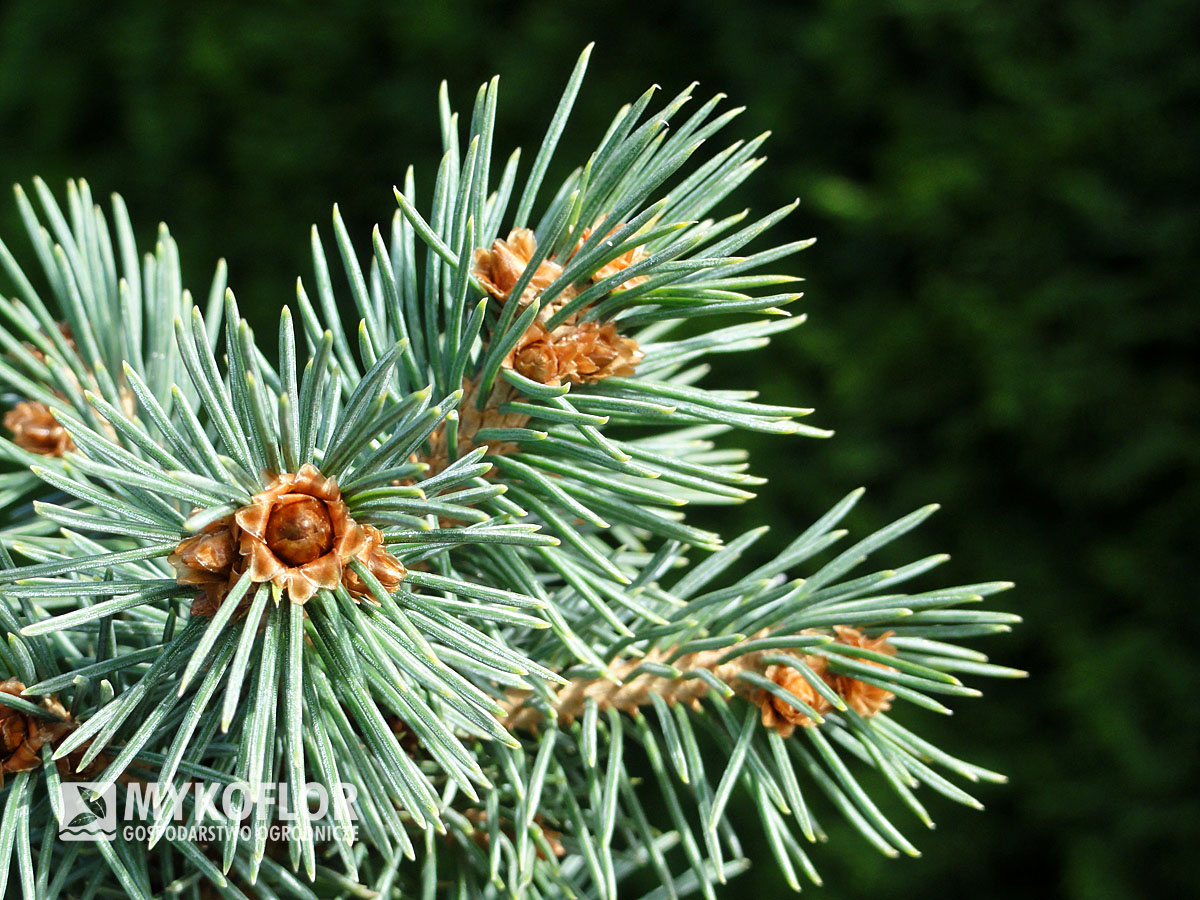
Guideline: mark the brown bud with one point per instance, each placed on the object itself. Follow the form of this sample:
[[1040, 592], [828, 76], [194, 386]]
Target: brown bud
[[22, 735], [777, 713], [865, 699], [299, 529], [207, 557], [35, 429], [298, 535], [388, 570], [212, 561], [537, 361], [583, 352], [500, 268]]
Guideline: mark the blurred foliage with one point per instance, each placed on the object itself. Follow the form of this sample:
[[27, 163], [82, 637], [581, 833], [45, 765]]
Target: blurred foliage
[[1007, 204]]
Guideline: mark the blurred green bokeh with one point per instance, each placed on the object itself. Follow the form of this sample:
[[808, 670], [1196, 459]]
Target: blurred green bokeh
[[1006, 200]]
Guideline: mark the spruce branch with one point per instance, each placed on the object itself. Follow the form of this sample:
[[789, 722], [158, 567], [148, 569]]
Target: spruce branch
[[437, 548]]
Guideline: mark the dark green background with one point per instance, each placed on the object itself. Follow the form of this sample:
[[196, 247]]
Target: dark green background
[[1001, 302]]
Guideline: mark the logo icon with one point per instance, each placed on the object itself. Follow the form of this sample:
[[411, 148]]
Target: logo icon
[[87, 814]]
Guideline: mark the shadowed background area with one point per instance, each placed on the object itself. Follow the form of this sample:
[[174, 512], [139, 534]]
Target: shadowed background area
[[1001, 301]]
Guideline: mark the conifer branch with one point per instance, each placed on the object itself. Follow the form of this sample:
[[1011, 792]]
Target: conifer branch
[[432, 541]]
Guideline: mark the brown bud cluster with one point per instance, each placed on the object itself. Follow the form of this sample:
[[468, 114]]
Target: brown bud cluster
[[297, 534], [865, 699], [574, 351]]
